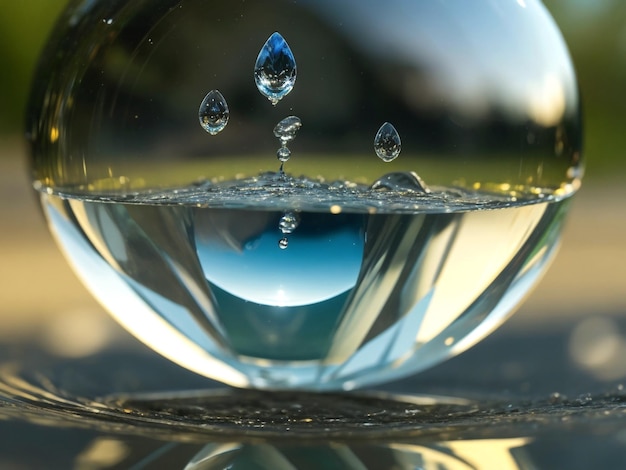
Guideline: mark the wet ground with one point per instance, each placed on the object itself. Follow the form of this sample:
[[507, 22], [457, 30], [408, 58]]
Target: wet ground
[[546, 391]]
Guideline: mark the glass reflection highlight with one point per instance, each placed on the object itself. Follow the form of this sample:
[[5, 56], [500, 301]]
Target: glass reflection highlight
[[493, 454]]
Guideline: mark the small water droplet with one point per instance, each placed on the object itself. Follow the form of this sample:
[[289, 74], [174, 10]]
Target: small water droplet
[[288, 222], [283, 243], [556, 398], [387, 143], [213, 112], [286, 131], [400, 181], [283, 154], [287, 128], [275, 69]]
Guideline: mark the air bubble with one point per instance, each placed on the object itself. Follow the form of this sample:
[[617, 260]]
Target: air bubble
[[213, 113], [288, 222], [275, 69], [387, 143]]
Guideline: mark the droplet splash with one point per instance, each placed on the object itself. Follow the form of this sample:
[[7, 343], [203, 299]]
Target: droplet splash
[[286, 131], [213, 113], [400, 181], [387, 143], [275, 69]]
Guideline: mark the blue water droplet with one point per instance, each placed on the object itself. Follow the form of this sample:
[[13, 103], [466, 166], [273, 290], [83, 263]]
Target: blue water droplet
[[213, 113], [275, 69], [387, 142]]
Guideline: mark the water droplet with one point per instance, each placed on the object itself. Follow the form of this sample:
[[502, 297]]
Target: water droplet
[[283, 243], [387, 143], [286, 129], [288, 222], [275, 69], [400, 181], [213, 113], [557, 398], [283, 154]]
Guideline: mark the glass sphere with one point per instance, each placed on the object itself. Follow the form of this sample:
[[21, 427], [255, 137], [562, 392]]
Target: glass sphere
[[311, 194]]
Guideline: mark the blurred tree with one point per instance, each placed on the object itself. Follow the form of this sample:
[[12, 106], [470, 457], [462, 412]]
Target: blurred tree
[[595, 31], [24, 27]]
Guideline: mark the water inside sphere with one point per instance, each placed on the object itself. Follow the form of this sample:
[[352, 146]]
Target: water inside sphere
[[387, 143], [275, 69], [213, 113], [343, 271]]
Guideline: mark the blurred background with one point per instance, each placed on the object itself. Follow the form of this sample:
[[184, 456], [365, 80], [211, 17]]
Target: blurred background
[[581, 301]]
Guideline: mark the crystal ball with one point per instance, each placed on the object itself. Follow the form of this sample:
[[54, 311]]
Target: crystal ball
[[317, 194]]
